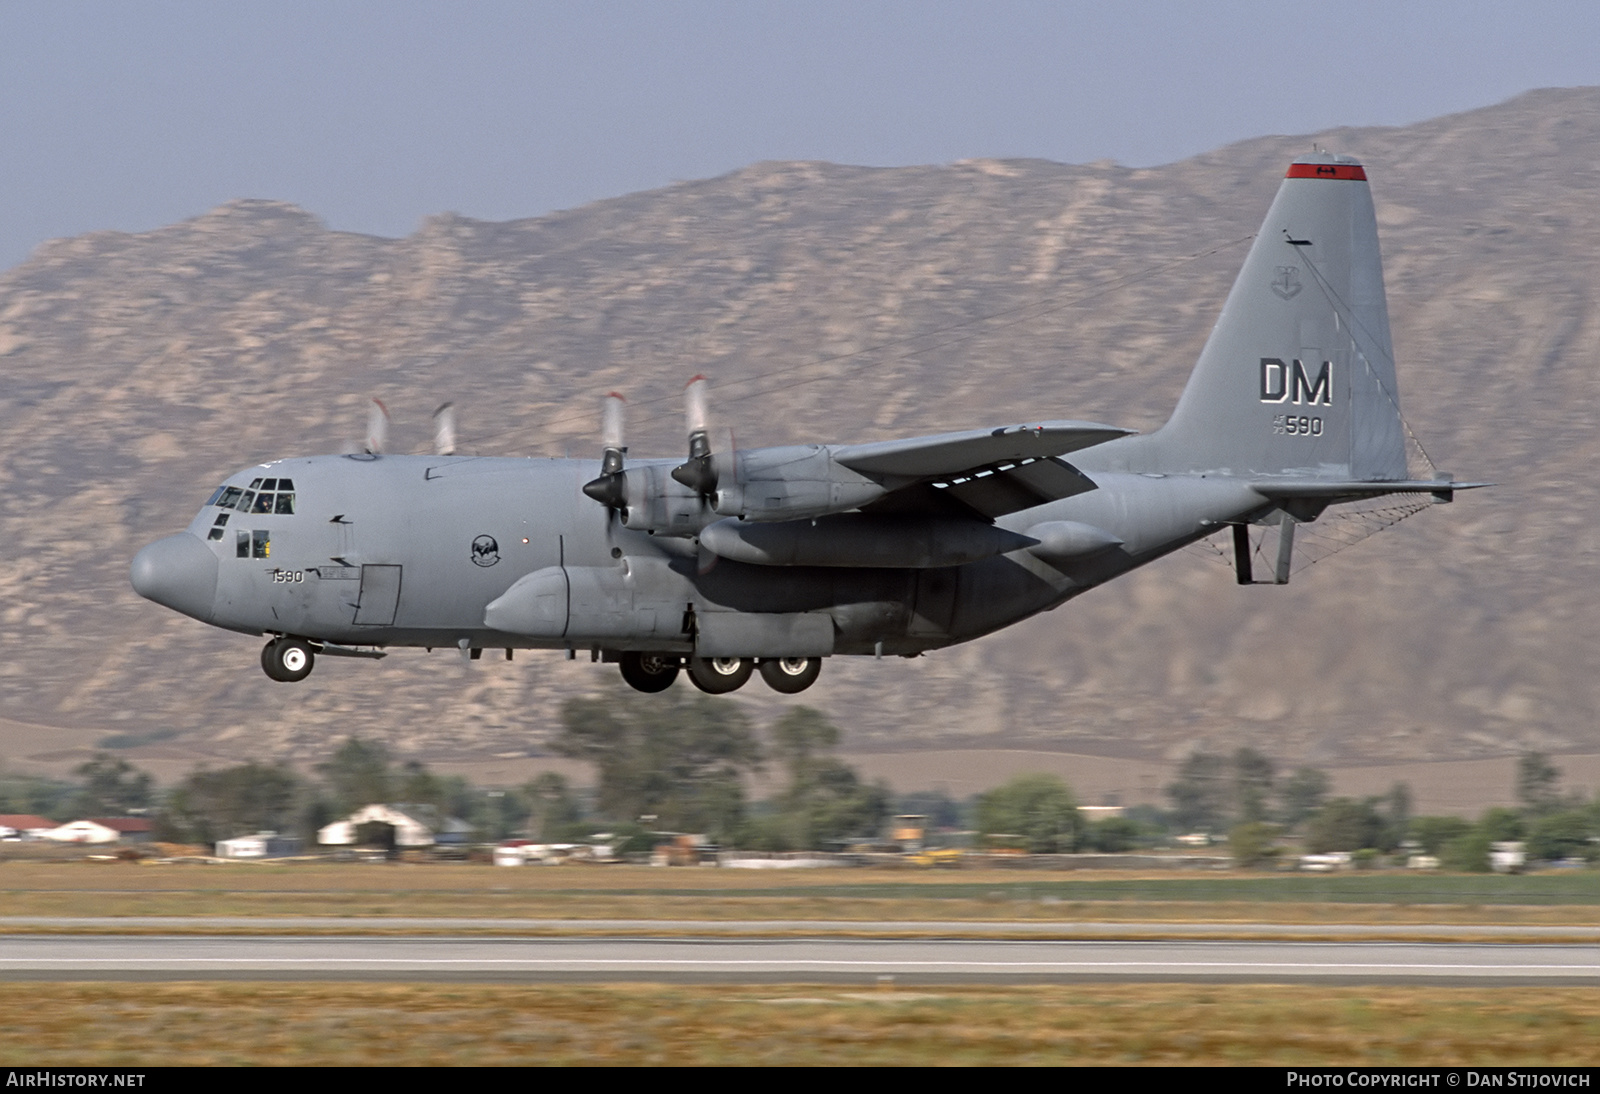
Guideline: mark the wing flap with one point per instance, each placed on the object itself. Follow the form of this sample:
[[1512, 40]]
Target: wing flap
[[996, 493]]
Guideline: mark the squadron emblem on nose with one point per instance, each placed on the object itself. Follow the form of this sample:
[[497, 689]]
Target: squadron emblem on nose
[[485, 551]]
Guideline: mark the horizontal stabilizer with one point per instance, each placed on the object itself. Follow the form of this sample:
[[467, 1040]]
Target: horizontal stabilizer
[[953, 453], [1333, 489]]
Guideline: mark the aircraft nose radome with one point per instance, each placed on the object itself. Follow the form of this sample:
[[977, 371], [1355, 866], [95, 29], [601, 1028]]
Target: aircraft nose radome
[[178, 572]]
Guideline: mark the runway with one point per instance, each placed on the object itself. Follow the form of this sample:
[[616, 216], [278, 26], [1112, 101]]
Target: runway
[[795, 960]]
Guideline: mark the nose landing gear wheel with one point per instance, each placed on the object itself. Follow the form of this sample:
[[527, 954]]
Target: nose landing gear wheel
[[649, 672], [791, 675], [720, 675], [287, 660]]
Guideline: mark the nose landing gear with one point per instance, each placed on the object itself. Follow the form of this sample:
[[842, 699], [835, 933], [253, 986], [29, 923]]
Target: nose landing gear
[[287, 660], [649, 672]]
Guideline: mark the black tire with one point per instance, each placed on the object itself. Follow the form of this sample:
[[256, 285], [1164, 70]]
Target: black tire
[[649, 672], [791, 675], [292, 660], [720, 675], [269, 660]]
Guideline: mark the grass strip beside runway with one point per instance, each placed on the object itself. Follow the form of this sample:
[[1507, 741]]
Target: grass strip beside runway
[[133, 1025]]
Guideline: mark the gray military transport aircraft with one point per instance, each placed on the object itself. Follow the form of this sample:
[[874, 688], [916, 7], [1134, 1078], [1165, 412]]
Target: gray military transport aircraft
[[771, 559]]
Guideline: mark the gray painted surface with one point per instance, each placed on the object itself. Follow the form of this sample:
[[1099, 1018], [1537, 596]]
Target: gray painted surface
[[895, 547]]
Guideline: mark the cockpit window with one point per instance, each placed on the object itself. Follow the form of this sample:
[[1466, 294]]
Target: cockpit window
[[255, 484], [274, 496]]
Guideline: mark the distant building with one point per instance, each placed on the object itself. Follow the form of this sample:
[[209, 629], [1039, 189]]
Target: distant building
[[409, 831], [260, 845], [103, 830], [20, 826]]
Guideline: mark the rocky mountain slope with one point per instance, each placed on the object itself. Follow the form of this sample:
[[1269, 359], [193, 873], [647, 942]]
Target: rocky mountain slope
[[839, 303]]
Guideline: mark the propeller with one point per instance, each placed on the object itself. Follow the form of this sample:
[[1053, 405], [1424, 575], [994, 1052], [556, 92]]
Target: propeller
[[610, 489], [377, 427], [697, 472], [444, 430]]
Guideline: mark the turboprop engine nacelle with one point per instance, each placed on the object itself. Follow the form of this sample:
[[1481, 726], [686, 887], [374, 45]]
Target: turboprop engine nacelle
[[796, 482], [653, 501]]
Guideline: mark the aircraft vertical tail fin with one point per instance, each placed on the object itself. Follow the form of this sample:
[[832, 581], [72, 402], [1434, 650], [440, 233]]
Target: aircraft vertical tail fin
[[1298, 375]]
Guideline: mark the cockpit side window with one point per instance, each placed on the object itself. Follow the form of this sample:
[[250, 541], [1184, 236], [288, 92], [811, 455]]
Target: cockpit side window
[[230, 497], [220, 491]]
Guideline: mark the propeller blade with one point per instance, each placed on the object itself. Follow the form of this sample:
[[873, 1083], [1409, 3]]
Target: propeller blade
[[610, 489], [377, 427], [705, 560], [612, 433], [444, 430], [697, 472], [697, 413]]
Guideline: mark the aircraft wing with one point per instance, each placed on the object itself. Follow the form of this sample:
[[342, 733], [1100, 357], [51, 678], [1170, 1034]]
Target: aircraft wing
[[987, 472], [951, 454]]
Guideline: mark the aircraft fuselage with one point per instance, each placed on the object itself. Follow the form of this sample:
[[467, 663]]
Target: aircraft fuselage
[[412, 550]]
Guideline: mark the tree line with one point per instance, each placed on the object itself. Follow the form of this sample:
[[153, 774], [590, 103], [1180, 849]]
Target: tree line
[[681, 762], [1244, 796]]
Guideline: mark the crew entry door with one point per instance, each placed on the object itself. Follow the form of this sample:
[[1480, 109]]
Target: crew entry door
[[380, 596]]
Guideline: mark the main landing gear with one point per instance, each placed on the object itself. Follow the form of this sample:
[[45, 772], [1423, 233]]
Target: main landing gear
[[287, 660], [720, 675], [653, 672], [791, 675]]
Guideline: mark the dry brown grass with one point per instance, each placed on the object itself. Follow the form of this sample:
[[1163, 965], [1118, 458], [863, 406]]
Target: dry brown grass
[[133, 1025], [624, 892]]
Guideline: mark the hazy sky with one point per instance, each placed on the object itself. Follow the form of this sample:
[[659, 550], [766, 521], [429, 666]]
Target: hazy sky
[[374, 115]]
